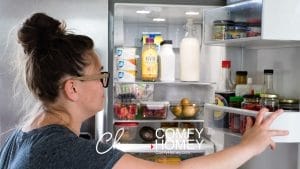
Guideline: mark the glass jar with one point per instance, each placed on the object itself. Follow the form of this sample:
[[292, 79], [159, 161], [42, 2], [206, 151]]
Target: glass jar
[[251, 102], [241, 77], [289, 104], [239, 31], [254, 29], [221, 29], [234, 119], [269, 101]]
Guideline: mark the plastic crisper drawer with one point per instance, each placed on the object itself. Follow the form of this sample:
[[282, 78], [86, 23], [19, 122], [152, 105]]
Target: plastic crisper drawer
[[287, 121]]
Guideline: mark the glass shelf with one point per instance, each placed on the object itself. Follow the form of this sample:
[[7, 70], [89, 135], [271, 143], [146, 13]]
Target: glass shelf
[[253, 43], [170, 118], [206, 148], [177, 82]]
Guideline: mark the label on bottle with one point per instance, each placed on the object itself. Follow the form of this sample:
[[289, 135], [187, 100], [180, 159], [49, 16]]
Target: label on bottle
[[149, 65]]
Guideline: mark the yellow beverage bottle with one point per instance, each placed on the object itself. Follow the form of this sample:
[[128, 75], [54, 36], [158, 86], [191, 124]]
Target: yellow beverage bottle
[[149, 61]]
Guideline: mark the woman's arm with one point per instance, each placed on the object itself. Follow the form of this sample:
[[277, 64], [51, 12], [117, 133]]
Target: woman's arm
[[255, 140]]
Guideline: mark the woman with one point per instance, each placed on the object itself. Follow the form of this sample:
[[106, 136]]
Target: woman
[[64, 73]]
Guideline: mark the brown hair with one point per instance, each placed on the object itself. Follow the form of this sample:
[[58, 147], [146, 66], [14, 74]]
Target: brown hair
[[51, 53]]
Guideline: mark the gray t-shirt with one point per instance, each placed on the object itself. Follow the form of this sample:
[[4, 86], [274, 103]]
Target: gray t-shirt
[[54, 146]]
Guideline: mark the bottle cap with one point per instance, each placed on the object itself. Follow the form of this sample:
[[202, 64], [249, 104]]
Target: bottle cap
[[236, 99], [268, 71], [242, 73], [289, 101], [166, 42], [149, 40], [266, 95], [226, 64]]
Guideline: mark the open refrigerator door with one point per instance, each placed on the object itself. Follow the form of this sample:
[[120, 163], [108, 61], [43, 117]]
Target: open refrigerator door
[[254, 45]]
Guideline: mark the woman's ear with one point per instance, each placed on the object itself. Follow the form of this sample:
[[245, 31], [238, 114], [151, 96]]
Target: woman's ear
[[71, 90]]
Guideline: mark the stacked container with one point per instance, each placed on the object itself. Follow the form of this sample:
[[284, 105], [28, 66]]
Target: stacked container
[[125, 64]]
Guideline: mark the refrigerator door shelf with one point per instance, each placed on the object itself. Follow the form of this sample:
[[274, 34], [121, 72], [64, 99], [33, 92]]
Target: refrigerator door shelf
[[206, 148], [286, 121]]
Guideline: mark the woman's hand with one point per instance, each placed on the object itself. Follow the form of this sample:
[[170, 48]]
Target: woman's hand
[[258, 136]]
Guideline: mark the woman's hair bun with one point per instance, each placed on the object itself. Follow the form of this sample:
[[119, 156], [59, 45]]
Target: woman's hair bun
[[38, 31]]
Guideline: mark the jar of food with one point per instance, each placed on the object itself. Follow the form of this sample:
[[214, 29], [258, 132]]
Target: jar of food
[[241, 77], [239, 31], [254, 29], [269, 101], [221, 29], [234, 119], [251, 102], [289, 104]]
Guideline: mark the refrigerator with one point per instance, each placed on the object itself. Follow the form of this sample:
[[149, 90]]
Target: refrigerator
[[276, 48]]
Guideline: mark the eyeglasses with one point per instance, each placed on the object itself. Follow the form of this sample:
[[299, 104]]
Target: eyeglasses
[[103, 77]]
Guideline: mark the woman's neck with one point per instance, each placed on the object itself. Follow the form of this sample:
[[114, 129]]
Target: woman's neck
[[53, 117]]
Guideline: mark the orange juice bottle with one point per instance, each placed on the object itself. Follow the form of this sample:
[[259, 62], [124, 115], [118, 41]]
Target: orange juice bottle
[[149, 61]]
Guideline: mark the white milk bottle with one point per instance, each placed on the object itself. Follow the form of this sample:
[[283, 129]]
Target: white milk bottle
[[166, 62], [189, 55]]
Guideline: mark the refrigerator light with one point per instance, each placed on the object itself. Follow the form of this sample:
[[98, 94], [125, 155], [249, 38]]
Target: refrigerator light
[[192, 13], [143, 12], [159, 19]]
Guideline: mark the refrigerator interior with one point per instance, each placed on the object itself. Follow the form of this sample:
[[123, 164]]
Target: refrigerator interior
[[128, 28]]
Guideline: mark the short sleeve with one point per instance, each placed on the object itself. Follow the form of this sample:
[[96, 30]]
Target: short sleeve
[[79, 153]]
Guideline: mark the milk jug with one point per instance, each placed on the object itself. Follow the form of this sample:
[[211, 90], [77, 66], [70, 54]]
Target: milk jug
[[166, 62], [189, 55]]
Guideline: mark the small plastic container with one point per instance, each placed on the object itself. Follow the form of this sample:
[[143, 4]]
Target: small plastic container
[[130, 131], [125, 107], [154, 109], [125, 111]]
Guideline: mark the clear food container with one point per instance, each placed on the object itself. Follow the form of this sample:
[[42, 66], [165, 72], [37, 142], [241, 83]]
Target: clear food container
[[125, 111], [154, 109], [130, 131]]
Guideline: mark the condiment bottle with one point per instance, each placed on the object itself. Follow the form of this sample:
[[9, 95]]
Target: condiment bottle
[[241, 77], [234, 119], [226, 75], [189, 55], [149, 61], [166, 61], [268, 81]]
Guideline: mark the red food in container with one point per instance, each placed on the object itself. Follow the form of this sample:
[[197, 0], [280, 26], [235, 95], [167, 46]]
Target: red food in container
[[154, 110], [125, 111], [251, 102]]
